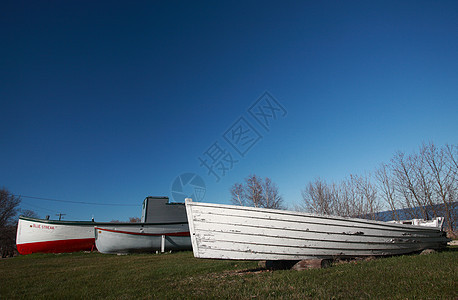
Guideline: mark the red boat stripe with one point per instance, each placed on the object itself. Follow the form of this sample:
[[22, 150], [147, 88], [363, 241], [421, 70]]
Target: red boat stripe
[[72, 245], [185, 233]]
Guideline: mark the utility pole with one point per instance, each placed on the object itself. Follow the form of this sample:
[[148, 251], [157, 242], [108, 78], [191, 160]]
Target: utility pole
[[60, 215]]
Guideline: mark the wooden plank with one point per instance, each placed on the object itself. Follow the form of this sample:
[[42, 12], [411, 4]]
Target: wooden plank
[[286, 241], [206, 228], [279, 249]]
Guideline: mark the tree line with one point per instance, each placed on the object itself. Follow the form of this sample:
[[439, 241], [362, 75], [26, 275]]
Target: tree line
[[257, 192], [422, 184]]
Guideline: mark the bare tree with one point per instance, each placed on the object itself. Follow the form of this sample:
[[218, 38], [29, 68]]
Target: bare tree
[[355, 196], [425, 178], [451, 152], [423, 184], [441, 169], [386, 186], [238, 194], [351, 202], [344, 199], [9, 207], [406, 182], [427, 182], [255, 191], [318, 197], [368, 205], [271, 197], [28, 213]]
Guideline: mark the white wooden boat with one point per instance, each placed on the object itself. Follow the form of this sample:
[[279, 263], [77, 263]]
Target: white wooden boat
[[247, 233], [144, 238]]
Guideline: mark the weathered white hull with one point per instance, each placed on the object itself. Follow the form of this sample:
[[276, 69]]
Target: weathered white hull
[[236, 232], [151, 238]]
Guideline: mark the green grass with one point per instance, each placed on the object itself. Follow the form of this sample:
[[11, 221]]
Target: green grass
[[180, 275]]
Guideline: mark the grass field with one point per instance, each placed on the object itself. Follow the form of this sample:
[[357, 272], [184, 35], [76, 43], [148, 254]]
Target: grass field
[[180, 275]]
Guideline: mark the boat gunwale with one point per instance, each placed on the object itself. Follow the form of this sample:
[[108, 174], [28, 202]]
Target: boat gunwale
[[180, 233], [303, 214], [93, 223]]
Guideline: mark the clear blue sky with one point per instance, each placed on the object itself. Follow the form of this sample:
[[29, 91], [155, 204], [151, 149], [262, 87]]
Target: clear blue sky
[[109, 102]]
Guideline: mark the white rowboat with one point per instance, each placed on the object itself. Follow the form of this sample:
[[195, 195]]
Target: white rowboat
[[247, 233], [144, 238]]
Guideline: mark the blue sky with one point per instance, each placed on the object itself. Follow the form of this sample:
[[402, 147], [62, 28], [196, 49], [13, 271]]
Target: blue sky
[[109, 102]]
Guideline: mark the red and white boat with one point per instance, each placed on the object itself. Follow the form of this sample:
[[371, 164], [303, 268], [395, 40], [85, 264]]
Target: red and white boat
[[52, 236]]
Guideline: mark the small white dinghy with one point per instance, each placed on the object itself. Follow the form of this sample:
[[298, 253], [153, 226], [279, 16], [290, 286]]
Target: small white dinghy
[[247, 233], [143, 238]]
